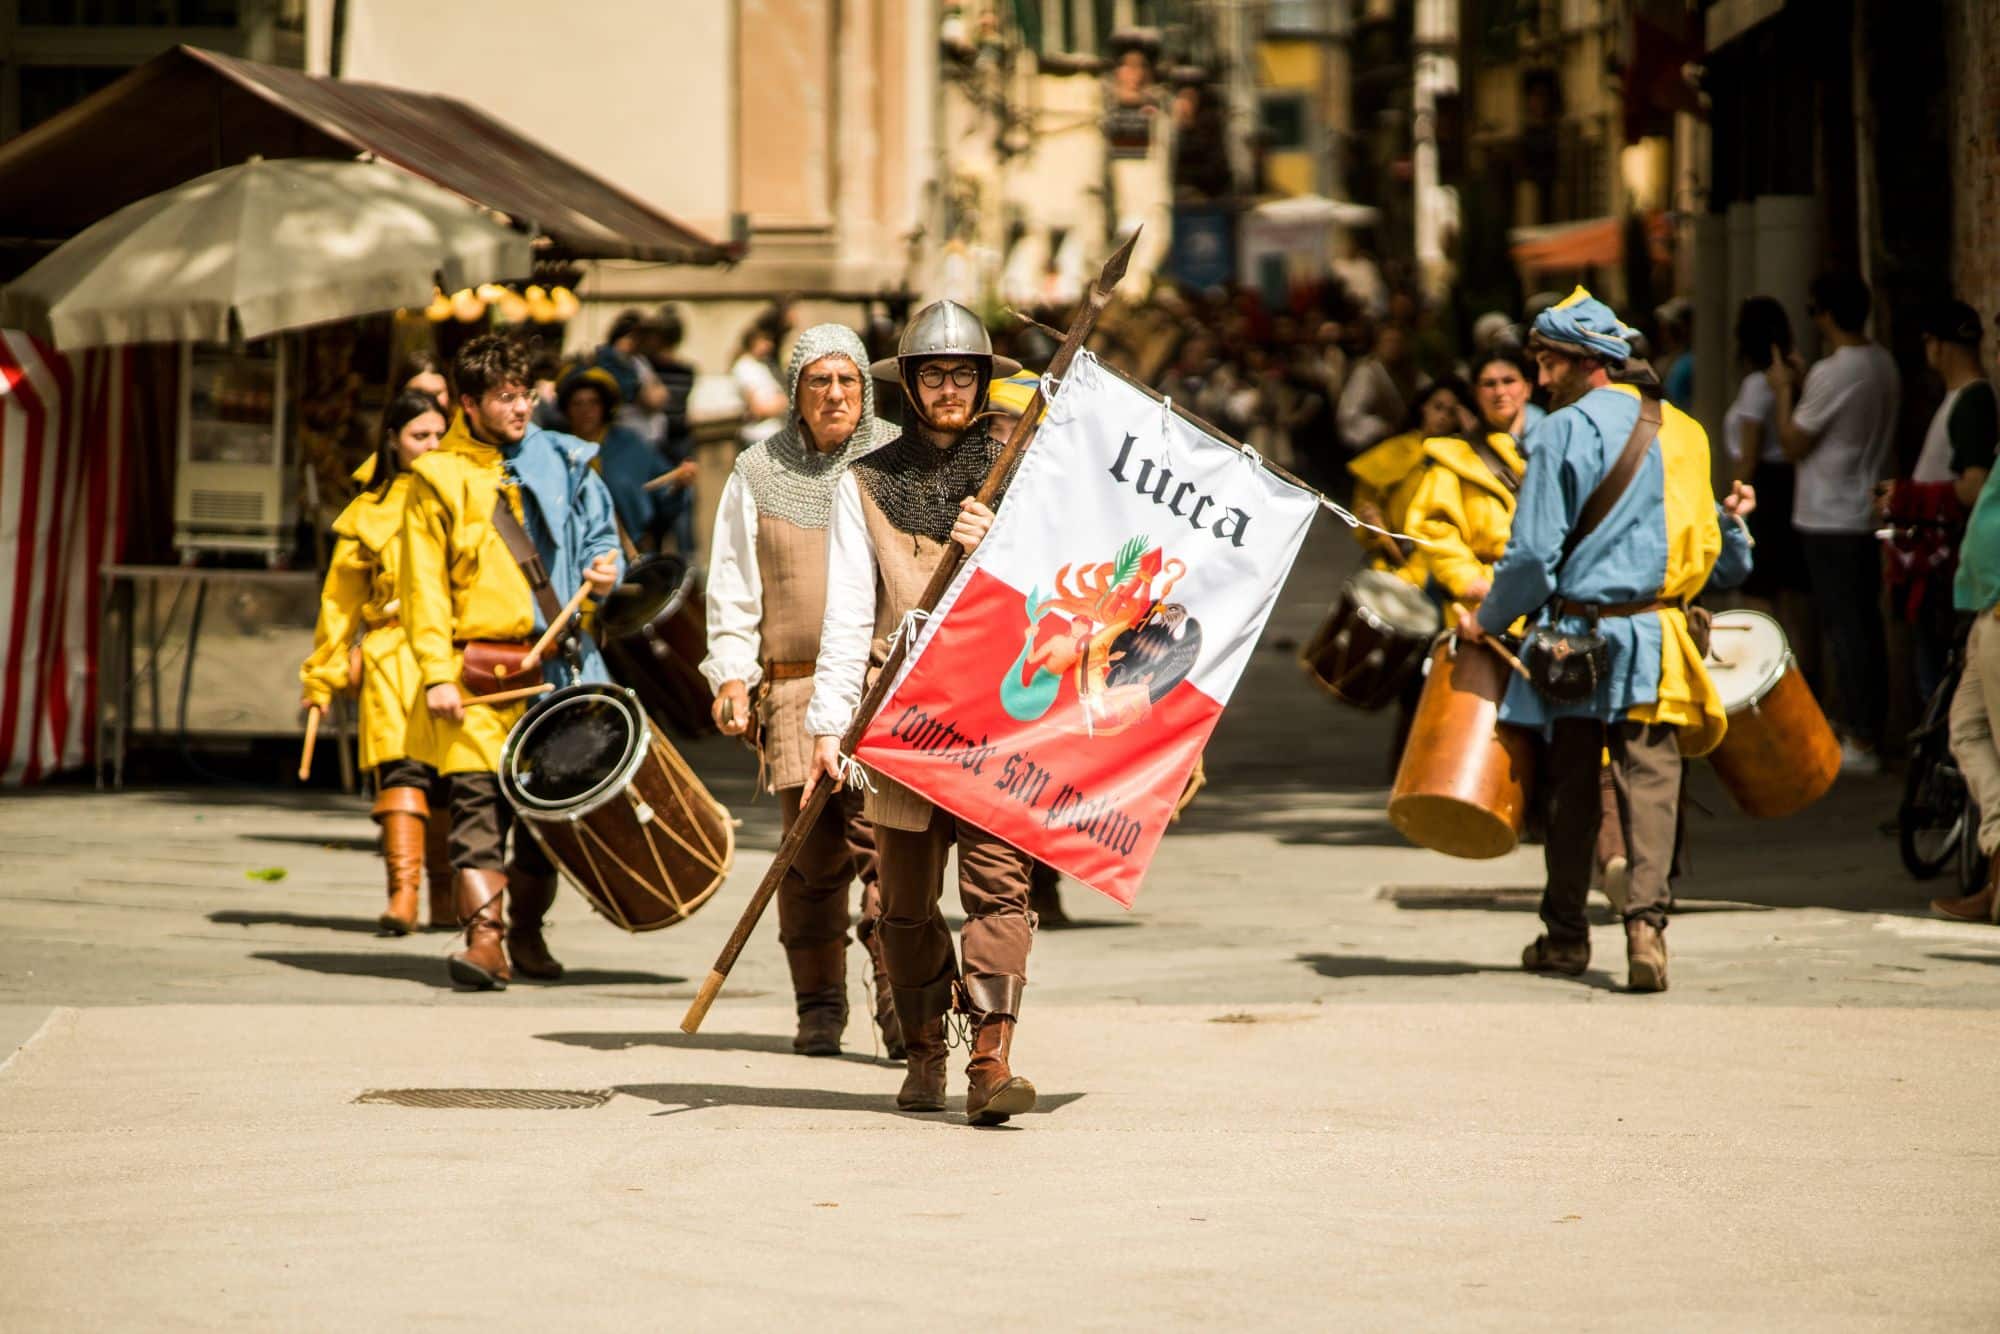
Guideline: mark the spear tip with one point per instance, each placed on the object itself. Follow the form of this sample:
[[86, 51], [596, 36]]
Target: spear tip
[[1113, 271]]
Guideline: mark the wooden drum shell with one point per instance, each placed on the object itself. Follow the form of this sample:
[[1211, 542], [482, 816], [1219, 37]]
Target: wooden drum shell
[[1779, 755], [1465, 779], [1359, 660], [654, 644]]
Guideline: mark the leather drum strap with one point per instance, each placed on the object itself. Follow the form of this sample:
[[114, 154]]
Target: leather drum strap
[[1619, 479], [522, 548], [1496, 465]]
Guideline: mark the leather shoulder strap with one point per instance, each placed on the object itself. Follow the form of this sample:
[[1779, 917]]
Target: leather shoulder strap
[[522, 548], [1496, 465], [1619, 479]]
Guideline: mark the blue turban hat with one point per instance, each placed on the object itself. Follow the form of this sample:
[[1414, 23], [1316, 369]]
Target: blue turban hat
[[1582, 322]]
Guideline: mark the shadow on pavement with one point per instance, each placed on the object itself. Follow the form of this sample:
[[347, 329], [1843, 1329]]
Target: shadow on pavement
[[774, 1043], [311, 921], [336, 844], [430, 971], [1375, 965], [1968, 958], [678, 1098]]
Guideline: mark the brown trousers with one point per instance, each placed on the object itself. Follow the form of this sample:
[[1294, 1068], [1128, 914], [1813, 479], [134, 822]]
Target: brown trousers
[[840, 847], [1645, 773], [993, 891], [480, 822]]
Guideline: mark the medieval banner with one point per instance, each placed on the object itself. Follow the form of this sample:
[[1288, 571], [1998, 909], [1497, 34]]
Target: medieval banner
[[1062, 691]]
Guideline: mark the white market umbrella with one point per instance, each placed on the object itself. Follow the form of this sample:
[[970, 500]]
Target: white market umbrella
[[278, 244]]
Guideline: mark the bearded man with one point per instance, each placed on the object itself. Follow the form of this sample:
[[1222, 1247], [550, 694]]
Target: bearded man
[[767, 578], [893, 514]]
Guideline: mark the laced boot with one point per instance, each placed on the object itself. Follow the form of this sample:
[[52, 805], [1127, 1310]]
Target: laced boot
[[819, 980], [401, 812], [533, 896], [993, 1091], [921, 1011], [437, 870], [1545, 955], [885, 1002], [482, 964], [1645, 956]]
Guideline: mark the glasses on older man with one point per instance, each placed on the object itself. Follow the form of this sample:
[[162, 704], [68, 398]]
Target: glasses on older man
[[933, 377]]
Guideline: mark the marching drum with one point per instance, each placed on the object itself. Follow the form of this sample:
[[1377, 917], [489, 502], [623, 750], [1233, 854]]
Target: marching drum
[[1373, 641], [1463, 786], [653, 628], [1779, 755], [616, 807]]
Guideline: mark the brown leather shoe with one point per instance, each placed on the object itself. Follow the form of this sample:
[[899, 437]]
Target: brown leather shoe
[[1549, 956], [993, 1091], [1645, 957], [437, 870], [1981, 907], [819, 981], [482, 964], [401, 812], [923, 1079], [531, 898], [885, 1002]]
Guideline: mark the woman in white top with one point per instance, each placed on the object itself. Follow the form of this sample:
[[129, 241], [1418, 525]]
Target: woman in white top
[[1757, 456], [764, 401]]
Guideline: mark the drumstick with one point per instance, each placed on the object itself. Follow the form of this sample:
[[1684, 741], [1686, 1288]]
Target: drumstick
[[509, 696], [660, 483], [549, 636], [391, 606], [1507, 657], [312, 737]]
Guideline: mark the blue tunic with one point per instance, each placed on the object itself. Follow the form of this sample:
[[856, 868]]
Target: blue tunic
[[556, 478]]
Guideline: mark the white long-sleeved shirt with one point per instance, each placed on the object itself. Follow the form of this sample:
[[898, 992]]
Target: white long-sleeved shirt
[[848, 629], [735, 592]]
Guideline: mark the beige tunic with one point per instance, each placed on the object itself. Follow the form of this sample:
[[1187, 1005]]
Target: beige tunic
[[792, 560]]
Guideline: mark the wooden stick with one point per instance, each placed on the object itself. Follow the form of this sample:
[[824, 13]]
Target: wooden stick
[[947, 570], [510, 696], [312, 739], [554, 632], [1493, 642]]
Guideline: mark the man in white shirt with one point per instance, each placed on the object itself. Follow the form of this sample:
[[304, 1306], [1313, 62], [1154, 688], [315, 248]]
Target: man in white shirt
[[1839, 431], [895, 513], [766, 599]]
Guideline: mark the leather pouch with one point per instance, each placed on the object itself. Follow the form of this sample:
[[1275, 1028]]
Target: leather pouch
[[1566, 666], [492, 666]]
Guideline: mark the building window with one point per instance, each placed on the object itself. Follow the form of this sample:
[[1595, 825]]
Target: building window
[[1283, 119]]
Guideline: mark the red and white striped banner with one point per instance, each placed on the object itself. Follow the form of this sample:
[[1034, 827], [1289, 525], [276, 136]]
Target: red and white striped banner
[[63, 505]]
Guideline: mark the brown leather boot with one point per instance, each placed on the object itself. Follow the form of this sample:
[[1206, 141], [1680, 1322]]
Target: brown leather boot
[[532, 897], [993, 1091], [1981, 907], [885, 1003], [437, 870], [1544, 955], [819, 980], [923, 1078], [482, 964], [1645, 956], [401, 812]]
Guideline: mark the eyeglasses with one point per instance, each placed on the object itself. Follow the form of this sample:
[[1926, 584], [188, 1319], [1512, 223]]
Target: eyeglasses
[[933, 377]]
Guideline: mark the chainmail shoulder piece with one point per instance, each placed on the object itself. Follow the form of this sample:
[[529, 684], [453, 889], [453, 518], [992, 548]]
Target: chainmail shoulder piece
[[918, 486], [787, 477]]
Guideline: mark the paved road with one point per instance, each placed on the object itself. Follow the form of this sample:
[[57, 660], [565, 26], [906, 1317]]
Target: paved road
[[1302, 1085]]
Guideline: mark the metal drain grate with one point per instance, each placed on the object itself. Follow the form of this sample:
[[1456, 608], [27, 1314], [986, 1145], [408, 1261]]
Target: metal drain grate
[[490, 1100]]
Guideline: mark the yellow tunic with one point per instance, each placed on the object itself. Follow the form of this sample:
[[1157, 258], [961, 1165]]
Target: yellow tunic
[[459, 582], [1688, 700], [1462, 512], [360, 585], [1387, 477]]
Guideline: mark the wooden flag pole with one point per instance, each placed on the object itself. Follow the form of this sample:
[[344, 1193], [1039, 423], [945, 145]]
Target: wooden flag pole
[[947, 570]]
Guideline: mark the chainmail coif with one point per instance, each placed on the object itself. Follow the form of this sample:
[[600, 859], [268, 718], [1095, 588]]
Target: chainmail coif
[[787, 477], [918, 486]]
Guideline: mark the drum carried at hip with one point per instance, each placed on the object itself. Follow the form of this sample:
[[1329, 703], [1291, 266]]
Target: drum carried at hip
[[1373, 641], [616, 807], [1466, 778], [1779, 755]]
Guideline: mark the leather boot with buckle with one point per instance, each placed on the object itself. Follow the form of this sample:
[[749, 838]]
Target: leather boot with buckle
[[819, 982], [921, 1011], [401, 811], [1552, 956], [482, 964], [885, 1003], [993, 1091], [1645, 956], [437, 870], [532, 896]]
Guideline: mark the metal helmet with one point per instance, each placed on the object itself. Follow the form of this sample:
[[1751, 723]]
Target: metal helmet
[[943, 329]]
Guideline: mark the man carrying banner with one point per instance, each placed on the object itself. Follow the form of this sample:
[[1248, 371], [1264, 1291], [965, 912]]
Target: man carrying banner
[[893, 513], [1623, 562], [767, 579]]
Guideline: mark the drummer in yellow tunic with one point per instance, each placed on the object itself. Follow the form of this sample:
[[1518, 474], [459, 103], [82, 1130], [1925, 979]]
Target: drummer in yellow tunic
[[1463, 508], [360, 591], [1387, 477], [460, 583]]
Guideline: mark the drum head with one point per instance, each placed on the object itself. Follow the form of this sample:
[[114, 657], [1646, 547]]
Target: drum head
[[653, 587], [574, 750], [1746, 655], [1396, 603]]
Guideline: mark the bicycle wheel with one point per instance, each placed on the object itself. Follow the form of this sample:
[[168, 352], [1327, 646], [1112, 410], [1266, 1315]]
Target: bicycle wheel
[[1931, 823]]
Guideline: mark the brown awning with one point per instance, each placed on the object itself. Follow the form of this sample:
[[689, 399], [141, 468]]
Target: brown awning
[[1593, 243], [188, 112]]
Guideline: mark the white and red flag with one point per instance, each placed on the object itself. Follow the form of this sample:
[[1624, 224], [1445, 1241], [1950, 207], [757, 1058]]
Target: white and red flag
[[1062, 690]]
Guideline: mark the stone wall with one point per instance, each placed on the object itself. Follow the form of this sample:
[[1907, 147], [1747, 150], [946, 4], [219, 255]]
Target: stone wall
[[1972, 41]]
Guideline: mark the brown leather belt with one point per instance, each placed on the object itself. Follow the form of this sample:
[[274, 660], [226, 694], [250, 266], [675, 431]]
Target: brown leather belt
[[788, 671], [1564, 607]]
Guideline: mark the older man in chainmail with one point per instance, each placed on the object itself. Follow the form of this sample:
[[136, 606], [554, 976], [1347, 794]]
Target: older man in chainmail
[[767, 580], [893, 514]]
